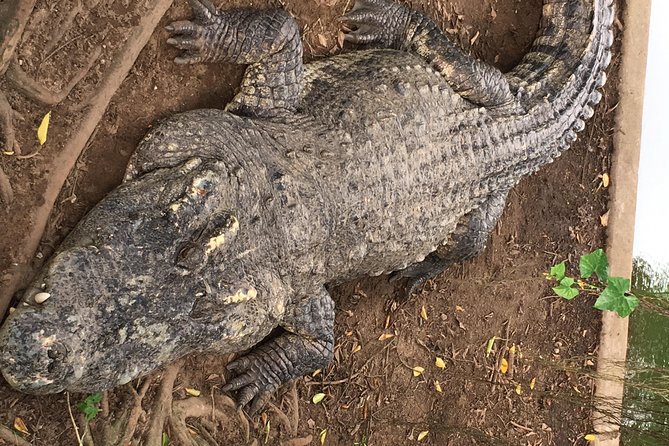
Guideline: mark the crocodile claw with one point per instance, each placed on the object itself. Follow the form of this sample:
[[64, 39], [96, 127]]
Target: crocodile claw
[[371, 21], [253, 381]]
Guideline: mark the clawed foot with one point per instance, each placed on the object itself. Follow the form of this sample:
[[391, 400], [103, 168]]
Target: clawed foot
[[193, 36], [378, 22], [253, 380]]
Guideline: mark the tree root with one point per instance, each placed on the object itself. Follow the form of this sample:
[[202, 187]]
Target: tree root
[[10, 437], [33, 90], [220, 409], [163, 405]]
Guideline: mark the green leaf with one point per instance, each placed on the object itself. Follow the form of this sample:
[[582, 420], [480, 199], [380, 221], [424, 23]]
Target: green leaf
[[89, 406], [595, 262], [615, 297], [165, 441], [558, 271], [565, 289]]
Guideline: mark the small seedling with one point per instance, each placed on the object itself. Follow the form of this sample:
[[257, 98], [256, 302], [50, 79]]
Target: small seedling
[[90, 407], [613, 292]]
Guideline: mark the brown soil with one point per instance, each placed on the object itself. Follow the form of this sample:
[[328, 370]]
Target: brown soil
[[372, 396]]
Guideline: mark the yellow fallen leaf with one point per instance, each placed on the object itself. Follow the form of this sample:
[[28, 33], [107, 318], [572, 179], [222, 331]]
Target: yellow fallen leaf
[[316, 373], [423, 313], [459, 308], [489, 345], [43, 128], [440, 363], [437, 386], [20, 426], [503, 366], [605, 179], [193, 392], [512, 349], [422, 435], [519, 389], [317, 398], [417, 371], [604, 219], [385, 336], [356, 348], [322, 435], [8, 152], [590, 437], [533, 383]]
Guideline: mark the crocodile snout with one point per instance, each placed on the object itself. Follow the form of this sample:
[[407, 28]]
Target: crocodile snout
[[33, 356]]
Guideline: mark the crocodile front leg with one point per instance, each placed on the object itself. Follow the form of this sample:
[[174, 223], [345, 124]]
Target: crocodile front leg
[[390, 25], [306, 346], [267, 41]]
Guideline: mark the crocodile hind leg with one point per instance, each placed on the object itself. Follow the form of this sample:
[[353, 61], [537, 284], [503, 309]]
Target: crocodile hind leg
[[390, 25], [469, 239], [306, 345], [267, 41]]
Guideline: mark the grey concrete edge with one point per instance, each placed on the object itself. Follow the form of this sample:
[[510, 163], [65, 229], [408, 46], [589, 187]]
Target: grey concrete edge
[[622, 207]]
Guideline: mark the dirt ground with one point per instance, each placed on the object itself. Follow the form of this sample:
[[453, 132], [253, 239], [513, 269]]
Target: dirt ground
[[371, 394]]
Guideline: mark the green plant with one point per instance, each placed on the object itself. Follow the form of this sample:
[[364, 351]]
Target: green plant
[[613, 292], [90, 406]]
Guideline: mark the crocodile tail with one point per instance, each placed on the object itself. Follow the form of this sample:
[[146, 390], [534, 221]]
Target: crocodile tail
[[558, 95], [573, 34]]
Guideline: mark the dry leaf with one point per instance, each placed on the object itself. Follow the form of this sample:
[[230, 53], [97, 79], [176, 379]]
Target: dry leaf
[[422, 435], [322, 40], [604, 219], [322, 435], [489, 345], [43, 128], [459, 308], [512, 349], [193, 392], [504, 366], [417, 371], [316, 373], [356, 348], [20, 426], [437, 386], [605, 179], [423, 313], [349, 332], [440, 363], [519, 389], [317, 398], [533, 383], [385, 336]]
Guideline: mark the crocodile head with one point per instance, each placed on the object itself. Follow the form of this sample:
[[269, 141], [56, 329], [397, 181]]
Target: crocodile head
[[159, 268]]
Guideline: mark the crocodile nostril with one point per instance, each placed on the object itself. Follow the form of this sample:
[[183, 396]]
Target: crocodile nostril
[[56, 353]]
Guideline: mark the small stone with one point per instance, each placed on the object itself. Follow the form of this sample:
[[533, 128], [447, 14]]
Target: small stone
[[40, 298]]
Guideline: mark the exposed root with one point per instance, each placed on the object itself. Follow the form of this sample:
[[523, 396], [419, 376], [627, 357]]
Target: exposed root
[[33, 90], [163, 405], [222, 410], [136, 411], [10, 437], [6, 191], [11, 28]]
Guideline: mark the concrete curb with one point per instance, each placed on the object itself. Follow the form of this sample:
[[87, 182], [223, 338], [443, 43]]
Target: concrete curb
[[622, 207]]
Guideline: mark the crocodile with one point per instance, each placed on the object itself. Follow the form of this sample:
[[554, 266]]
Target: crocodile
[[230, 225]]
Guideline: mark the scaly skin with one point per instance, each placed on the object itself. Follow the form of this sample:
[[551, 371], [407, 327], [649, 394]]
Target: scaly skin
[[230, 223]]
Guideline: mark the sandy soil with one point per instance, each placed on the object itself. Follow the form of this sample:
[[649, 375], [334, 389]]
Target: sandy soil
[[372, 397]]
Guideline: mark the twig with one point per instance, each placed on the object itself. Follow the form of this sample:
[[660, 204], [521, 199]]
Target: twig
[[74, 423]]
